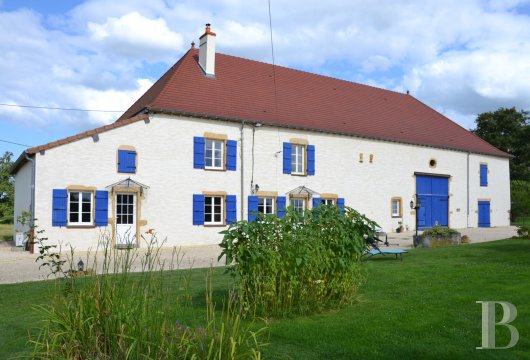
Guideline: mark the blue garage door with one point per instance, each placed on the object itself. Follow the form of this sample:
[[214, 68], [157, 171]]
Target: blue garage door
[[433, 193], [484, 214]]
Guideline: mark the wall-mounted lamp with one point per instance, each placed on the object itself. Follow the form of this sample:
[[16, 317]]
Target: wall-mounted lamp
[[81, 265]]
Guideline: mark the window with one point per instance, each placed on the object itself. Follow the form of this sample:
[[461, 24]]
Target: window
[[396, 207], [266, 205], [213, 156], [328, 201], [298, 204], [483, 174], [80, 208], [213, 210], [297, 159]]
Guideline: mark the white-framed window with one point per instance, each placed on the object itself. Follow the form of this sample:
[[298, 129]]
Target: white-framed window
[[80, 205], [297, 159], [328, 201], [213, 210], [213, 154], [396, 207], [266, 205], [298, 204]]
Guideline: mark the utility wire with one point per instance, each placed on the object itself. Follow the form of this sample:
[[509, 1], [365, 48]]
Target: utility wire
[[60, 108], [14, 143], [273, 63]]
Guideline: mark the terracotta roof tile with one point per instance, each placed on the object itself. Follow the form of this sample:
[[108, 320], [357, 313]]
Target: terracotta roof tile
[[244, 90]]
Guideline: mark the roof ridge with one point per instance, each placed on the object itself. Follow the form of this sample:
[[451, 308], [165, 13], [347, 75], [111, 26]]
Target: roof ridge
[[317, 75]]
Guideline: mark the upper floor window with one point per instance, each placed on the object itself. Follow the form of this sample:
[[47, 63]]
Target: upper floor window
[[80, 204], [213, 157], [266, 205], [214, 153], [298, 159], [483, 174]]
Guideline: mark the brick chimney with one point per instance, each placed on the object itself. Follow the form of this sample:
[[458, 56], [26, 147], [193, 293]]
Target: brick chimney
[[207, 52]]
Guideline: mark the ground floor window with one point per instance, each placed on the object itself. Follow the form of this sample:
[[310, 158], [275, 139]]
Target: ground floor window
[[266, 205], [298, 204], [328, 201], [396, 207], [213, 210], [80, 205]]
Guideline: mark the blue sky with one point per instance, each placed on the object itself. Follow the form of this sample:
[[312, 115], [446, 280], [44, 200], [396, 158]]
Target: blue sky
[[461, 57]]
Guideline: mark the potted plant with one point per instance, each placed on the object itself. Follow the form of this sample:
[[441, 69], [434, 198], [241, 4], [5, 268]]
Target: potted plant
[[400, 227]]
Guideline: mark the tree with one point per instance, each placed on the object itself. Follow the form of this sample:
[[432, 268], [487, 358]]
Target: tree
[[508, 130], [7, 190]]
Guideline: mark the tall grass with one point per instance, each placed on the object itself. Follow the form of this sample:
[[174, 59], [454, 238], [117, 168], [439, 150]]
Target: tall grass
[[121, 314], [298, 264]]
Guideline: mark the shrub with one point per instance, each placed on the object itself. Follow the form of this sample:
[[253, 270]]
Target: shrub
[[523, 231], [298, 264], [442, 231], [520, 193], [121, 315], [465, 240]]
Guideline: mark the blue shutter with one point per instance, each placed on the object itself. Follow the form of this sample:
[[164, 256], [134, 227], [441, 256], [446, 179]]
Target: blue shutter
[[316, 202], [198, 209], [483, 175], [60, 198], [252, 208], [340, 204], [102, 208], [231, 155], [231, 209], [126, 161], [310, 159], [287, 149], [198, 152], [281, 202]]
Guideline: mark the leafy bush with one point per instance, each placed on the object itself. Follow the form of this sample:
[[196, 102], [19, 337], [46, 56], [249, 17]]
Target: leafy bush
[[520, 192], [523, 231], [298, 264], [442, 231], [121, 315]]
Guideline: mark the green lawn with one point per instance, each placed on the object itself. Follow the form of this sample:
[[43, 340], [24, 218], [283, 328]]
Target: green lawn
[[421, 307], [6, 232]]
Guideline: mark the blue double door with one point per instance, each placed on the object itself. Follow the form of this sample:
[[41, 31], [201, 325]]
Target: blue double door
[[433, 194]]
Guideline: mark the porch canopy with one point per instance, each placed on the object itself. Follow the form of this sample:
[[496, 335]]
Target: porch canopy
[[128, 183]]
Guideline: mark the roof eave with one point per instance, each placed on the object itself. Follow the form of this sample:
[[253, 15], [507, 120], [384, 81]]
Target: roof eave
[[19, 162]]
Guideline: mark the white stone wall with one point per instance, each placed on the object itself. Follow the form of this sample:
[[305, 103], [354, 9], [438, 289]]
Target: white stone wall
[[22, 195], [165, 164]]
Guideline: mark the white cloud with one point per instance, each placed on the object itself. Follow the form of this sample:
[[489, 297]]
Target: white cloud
[[137, 37]]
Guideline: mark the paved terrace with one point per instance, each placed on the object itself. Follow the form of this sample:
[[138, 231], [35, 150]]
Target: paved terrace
[[19, 266]]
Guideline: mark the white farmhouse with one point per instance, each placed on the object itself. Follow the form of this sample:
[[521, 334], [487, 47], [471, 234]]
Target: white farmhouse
[[219, 137]]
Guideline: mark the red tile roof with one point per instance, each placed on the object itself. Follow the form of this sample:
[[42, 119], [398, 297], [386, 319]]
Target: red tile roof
[[244, 90]]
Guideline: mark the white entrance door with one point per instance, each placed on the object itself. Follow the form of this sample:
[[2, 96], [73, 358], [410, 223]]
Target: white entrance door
[[125, 219]]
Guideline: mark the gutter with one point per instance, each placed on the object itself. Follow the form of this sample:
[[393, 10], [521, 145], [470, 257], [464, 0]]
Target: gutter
[[32, 203]]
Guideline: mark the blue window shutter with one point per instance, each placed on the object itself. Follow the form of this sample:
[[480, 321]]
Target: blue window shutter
[[252, 207], [483, 175], [231, 155], [198, 209], [131, 161], [310, 159], [60, 198], [281, 202], [198, 152], [287, 149], [316, 202], [126, 161], [231, 209], [102, 208], [340, 204]]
